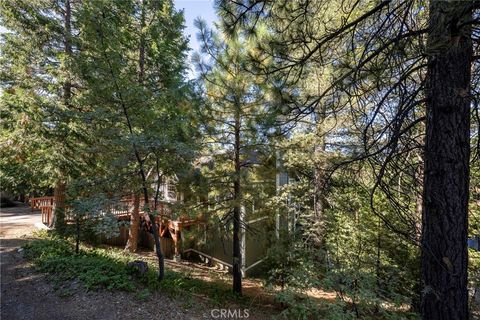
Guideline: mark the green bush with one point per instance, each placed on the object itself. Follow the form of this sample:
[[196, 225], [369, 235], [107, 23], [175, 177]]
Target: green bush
[[291, 264], [94, 268], [107, 268]]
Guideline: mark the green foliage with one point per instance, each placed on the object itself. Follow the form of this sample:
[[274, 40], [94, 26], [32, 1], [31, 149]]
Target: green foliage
[[94, 216], [106, 268], [94, 268], [367, 265], [42, 138], [298, 307], [291, 267], [373, 272], [60, 114], [143, 294], [290, 264], [140, 107]]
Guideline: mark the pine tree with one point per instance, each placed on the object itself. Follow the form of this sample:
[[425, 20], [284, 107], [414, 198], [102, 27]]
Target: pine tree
[[388, 73], [234, 114], [42, 136], [132, 64]]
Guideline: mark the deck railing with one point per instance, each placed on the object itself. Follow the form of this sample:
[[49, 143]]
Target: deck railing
[[167, 227], [121, 210], [36, 203], [47, 215]]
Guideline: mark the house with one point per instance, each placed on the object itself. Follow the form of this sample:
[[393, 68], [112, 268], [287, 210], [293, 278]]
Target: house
[[205, 236]]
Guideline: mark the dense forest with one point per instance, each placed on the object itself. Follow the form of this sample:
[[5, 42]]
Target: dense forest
[[351, 126]]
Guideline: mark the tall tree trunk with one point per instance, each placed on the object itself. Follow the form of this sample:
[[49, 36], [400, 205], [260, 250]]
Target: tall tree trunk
[[237, 198], [319, 203], [319, 179], [132, 243], [447, 154], [59, 192], [155, 231], [59, 198], [67, 85]]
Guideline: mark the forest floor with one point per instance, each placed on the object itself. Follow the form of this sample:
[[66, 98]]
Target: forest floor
[[26, 294], [252, 288]]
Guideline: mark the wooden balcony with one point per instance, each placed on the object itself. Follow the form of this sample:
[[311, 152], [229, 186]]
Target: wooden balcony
[[167, 227]]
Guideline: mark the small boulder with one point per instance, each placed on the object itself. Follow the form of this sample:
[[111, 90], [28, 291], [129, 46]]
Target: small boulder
[[137, 268]]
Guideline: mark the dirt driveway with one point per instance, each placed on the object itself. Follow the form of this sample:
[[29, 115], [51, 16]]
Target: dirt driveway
[[26, 295], [17, 221]]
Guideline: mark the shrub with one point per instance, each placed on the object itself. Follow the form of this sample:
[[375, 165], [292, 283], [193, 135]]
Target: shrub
[[95, 269], [98, 268]]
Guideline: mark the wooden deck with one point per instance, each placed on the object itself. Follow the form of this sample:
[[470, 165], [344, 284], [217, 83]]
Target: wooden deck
[[167, 227], [37, 203]]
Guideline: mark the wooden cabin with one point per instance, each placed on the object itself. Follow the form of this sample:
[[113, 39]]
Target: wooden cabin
[[197, 238]]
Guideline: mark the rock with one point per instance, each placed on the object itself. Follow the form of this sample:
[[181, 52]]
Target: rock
[[138, 268]]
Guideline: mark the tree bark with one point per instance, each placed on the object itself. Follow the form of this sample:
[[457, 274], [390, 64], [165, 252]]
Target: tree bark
[[67, 85], [59, 191], [447, 154], [319, 179], [237, 198], [155, 231], [59, 198], [132, 243]]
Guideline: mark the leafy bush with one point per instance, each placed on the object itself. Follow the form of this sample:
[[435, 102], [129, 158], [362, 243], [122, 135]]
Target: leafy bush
[[290, 263], [297, 306], [92, 219], [94, 268], [291, 266], [107, 268]]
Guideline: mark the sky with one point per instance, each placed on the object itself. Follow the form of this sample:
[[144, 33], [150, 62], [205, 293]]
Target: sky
[[193, 9]]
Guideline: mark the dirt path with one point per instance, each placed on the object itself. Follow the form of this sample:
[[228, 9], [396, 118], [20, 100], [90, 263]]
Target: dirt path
[[26, 295]]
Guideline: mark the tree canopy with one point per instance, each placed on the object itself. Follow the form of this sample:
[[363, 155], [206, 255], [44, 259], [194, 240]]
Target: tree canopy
[[351, 127]]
